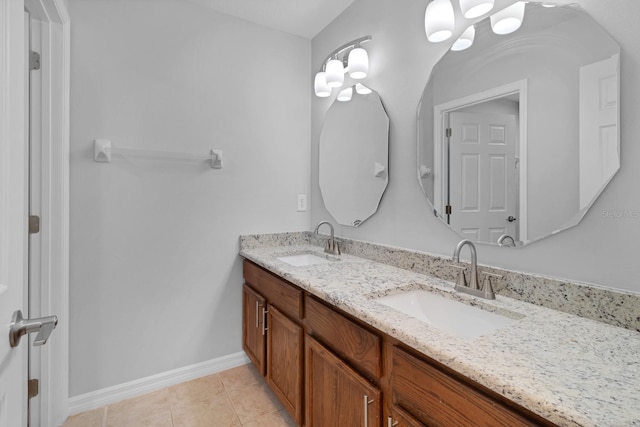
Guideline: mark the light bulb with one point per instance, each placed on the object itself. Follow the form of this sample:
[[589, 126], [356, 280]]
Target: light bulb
[[345, 94], [509, 19], [320, 85], [474, 8], [362, 89], [358, 63], [335, 73], [439, 20], [465, 40]]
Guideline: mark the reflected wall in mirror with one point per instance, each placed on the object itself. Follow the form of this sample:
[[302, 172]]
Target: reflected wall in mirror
[[354, 158], [519, 134]]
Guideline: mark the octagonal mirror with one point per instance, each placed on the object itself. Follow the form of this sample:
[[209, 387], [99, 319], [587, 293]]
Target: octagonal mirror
[[354, 157], [519, 134]]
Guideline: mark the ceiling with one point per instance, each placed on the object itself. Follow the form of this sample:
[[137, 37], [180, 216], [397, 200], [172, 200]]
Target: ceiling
[[304, 18]]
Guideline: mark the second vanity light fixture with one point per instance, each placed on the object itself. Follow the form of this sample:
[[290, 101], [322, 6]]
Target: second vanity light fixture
[[350, 58], [439, 20]]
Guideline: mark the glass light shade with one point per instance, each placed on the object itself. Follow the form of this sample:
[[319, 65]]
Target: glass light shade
[[439, 20], [362, 89], [345, 94], [335, 73], [465, 40], [474, 8], [320, 85], [358, 63], [509, 19]]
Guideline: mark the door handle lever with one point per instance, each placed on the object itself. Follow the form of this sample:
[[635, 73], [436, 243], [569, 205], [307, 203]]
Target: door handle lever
[[20, 326]]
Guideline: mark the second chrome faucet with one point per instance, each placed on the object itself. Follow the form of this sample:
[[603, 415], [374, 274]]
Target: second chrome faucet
[[332, 246], [473, 288]]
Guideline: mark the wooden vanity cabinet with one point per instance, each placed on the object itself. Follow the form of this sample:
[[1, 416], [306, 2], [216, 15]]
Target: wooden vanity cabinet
[[329, 369], [335, 394]]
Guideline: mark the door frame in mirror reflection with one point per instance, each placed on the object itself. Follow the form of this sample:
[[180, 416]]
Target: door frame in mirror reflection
[[353, 158], [440, 172]]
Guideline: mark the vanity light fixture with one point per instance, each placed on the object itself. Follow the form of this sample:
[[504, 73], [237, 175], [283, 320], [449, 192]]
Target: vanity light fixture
[[474, 8], [345, 94], [350, 58], [439, 20], [508, 19], [362, 89], [358, 63], [320, 85], [465, 40], [335, 73]]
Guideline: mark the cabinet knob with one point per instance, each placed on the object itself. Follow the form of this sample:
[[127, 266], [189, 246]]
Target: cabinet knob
[[391, 423]]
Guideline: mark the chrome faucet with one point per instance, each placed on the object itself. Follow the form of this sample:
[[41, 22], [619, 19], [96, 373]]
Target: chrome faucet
[[473, 283], [472, 288], [501, 241], [332, 246]]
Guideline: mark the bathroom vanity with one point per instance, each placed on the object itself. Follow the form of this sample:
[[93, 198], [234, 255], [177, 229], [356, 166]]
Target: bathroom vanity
[[334, 355]]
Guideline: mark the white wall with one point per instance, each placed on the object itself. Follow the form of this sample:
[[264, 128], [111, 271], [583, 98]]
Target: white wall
[[599, 250], [155, 275]]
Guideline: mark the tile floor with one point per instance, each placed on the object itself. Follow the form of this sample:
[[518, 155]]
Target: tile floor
[[237, 397]]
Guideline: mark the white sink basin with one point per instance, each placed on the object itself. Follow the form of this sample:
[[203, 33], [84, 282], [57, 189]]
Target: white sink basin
[[301, 260], [457, 318]]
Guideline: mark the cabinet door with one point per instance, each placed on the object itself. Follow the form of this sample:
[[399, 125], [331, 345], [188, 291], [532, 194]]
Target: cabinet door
[[284, 361], [253, 334], [336, 395]]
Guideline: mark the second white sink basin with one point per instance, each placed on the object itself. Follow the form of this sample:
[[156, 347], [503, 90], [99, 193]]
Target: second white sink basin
[[457, 318], [301, 260]]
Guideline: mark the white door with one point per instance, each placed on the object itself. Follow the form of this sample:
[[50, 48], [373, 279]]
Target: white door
[[483, 175], [599, 134], [13, 210]]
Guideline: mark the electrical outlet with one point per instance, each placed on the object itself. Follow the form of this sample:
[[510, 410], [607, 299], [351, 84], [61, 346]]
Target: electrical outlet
[[302, 202]]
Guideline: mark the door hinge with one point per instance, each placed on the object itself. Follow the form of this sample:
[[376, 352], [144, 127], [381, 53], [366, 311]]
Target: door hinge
[[448, 133], [448, 210], [33, 388], [34, 224], [34, 60]]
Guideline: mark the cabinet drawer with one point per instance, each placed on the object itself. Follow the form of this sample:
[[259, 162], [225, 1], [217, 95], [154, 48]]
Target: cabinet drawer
[[345, 337], [276, 291], [438, 399], [251, 273], [401, 418]]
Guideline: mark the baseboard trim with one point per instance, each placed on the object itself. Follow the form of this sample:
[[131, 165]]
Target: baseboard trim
[[109, 395]]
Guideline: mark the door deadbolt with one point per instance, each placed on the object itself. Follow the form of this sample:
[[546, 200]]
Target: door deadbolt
[[20, 326]]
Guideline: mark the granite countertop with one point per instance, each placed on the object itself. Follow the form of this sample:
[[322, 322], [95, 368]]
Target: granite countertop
[[568, 369]]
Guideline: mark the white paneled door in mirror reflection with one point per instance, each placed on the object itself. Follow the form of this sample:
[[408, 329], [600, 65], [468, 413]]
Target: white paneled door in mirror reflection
[[354, 158], [519, 133]]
